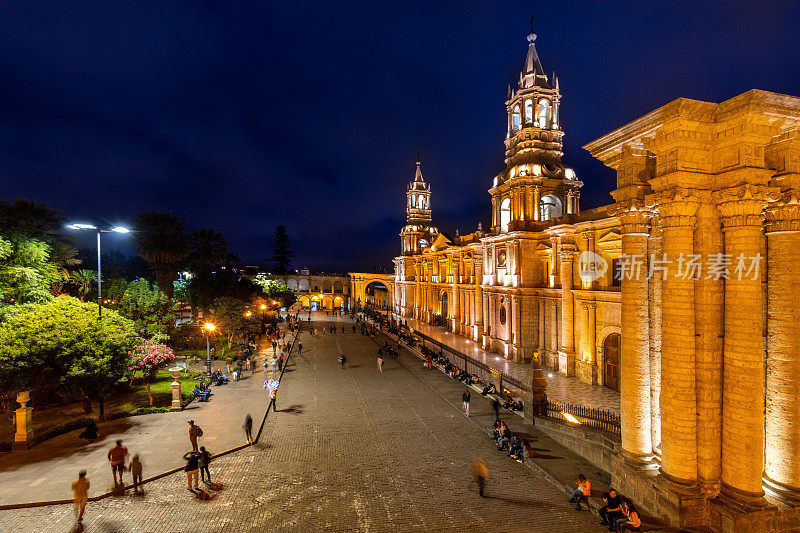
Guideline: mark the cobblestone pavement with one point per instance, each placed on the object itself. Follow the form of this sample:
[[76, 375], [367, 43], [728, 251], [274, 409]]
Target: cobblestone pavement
[[347, 450], [559, 388]]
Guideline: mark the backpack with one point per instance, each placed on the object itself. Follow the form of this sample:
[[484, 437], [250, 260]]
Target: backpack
[[199, 431]]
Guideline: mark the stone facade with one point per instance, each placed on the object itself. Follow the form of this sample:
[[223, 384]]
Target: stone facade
[[707, 363]]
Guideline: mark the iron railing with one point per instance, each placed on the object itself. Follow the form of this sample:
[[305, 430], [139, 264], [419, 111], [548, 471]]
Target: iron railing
[[586, 416]]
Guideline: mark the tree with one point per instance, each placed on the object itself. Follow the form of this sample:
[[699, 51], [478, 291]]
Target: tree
[[205, 287], [281, 252], [208, 248], [162, 241], [147, 306], [29, 218], [26, 272], [228, 316], [61, 343], [148, 358], [275, 291], [84, 281]]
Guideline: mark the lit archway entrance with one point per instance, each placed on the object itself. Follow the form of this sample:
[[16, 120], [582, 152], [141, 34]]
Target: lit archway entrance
[[444, 308], [611, 346], [376, 294]]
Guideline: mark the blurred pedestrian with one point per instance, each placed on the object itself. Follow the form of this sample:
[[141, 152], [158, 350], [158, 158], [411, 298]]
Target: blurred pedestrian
[[273, 396], [136, 471], [343, 361], [192, 465], [80, 492], [480, 473], [380, 364], [299, 348], [116, 455], [248, 428], [465, 401], [203, 461]]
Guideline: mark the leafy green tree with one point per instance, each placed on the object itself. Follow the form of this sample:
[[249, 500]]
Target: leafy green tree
[[26, 272], [162, 241], [282, 253], [228, 315], [84, 281], [147, 306], [275, 291], [62, 343], [205, 287]]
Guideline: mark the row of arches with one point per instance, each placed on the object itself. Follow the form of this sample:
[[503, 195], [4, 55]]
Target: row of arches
[[418, 201], [303, 285], [543, 118], [324, 303], [550, 207]]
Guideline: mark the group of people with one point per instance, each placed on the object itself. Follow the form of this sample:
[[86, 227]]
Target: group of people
[[618, 513], [505, 437]]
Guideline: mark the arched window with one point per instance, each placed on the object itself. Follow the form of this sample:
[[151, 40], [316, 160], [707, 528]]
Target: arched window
[[505, 214], [528, 111], [550, 207], [515, 119], [544, 113], [421, 202]]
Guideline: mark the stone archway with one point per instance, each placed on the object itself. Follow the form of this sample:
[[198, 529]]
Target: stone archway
[[444, 308]]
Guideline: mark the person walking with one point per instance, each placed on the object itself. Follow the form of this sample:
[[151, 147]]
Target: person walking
[[203, 461], [274, 347], [299, 348], [380, 364], [274, 363], [136, 472], [480, 472], [80, 494], [273, 396], [116, 455], [192, 465], [194, 432], [465, 401], [248, 428], [343, 361]]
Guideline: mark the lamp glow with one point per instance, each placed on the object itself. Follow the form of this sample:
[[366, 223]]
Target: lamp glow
[[209, 326], [569, 418], [81, 226], [120, 229]]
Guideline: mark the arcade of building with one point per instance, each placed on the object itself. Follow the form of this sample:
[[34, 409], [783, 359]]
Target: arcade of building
[[708, 369]]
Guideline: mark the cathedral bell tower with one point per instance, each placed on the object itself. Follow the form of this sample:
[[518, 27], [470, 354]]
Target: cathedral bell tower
[[535, 185], [418, 232]]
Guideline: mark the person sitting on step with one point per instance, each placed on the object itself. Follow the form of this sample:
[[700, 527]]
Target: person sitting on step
[[582, 493]]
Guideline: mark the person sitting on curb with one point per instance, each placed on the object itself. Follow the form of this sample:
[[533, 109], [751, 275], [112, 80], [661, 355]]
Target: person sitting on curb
[[582, 493], [515, 448], [505, 436], [612, 510], [496, 429], [631, 520], [489, 389]]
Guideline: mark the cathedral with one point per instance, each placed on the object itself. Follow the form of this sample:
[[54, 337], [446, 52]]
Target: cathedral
[[681, 294]]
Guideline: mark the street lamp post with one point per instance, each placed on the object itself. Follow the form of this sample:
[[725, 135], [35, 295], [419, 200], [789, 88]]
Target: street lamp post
[[115, 229], [208, 327]]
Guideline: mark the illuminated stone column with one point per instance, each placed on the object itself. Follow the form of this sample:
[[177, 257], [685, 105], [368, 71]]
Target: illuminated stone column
[[782, 462], [542, 334], [677, 208], [23, 436], [529, 212], [654, 294], [708, 348], [743, 352], [566, 356], [537, 199], [634, 353]]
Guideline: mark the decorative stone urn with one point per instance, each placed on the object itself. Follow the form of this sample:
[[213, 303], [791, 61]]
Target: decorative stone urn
[[23, 438], [176, 390]]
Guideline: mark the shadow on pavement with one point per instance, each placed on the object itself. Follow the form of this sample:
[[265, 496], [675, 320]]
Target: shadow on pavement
[[293, 409]]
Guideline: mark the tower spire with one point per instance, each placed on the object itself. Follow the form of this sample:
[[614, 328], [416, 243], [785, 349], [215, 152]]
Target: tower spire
[[418, 175]]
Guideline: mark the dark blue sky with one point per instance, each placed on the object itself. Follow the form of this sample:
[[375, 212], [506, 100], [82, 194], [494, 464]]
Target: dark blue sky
[[242, 115]]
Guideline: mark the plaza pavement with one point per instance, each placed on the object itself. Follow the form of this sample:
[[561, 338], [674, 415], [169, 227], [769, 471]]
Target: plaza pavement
[[559, 388], [347, 450]]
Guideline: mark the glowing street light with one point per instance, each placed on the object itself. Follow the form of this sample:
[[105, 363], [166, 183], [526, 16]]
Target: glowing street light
[[248, 314], [208, 327], [263, 307], [78, 226]]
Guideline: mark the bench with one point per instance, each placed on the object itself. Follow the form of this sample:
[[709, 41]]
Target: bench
[[202, 395]]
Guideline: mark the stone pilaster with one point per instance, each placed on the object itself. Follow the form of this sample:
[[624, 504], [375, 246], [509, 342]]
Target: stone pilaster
[[587, 364], [782, 425], [677, 208], [567, 353], [542, 331], [743, 352], [635, 350], [654, 294], [537, 202]]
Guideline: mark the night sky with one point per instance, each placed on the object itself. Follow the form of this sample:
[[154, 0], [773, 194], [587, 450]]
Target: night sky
[[243, 115]]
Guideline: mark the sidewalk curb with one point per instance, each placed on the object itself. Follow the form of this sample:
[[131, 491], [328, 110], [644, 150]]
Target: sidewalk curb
[[46, 503]]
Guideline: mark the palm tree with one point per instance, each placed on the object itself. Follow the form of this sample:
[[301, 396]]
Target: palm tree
[[84, 280], [209, 248], [162, 241]]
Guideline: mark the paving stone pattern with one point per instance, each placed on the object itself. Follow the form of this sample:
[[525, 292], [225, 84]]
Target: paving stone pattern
[[348, 450]]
